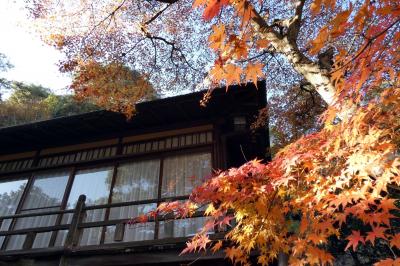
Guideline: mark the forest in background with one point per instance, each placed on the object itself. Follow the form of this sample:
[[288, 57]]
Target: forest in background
[[30, 102]]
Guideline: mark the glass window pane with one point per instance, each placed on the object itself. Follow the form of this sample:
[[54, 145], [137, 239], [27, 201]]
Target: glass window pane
[[66, 218], [2, 240], [42, 240], [10, 195], [60, 238], [5, 224], [136, 181], [96, 215], [90, 236], [94, 183], [36, 221], [130, 211], [137, 232], [47, 190], [15, 242], [180, 228], [182, 173]]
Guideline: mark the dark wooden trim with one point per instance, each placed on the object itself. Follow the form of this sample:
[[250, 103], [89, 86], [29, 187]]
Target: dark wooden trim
[[36, 158], [160, 183], [41, 208], [109, 202], [29, 239], [74, 232], [109, 160], [118, 146], [111, 248], [23, 215], [35, 229]]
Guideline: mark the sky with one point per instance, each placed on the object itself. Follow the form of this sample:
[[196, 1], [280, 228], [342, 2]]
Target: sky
[[34, 62]]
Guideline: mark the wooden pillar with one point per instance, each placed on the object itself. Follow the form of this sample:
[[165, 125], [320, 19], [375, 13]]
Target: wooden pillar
[[283, 259], [73, 233]]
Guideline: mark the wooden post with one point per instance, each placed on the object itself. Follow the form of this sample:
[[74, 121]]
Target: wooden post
[[119, 232], [283, 259], [30, 237], [73, 233]]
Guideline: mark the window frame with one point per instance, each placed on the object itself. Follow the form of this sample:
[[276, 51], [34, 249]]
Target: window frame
[[208, 147]]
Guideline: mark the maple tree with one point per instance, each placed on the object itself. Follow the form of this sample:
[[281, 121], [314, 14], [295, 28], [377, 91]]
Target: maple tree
[[345, 171]]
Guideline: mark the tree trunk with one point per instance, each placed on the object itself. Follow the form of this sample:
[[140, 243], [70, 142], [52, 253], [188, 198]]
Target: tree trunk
[[312, 72]]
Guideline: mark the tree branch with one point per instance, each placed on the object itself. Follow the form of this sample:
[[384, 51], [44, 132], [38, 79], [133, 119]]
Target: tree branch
[[157, 14], [167, 1], [295, 22]]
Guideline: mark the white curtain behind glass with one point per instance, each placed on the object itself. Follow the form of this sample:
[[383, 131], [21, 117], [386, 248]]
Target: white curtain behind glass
[[182, 173], [135, 181]]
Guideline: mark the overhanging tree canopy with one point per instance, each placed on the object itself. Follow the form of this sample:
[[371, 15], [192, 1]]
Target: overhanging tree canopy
[[347, 51]]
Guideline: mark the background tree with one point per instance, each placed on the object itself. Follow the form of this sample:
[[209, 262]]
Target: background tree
[[4, 66], [29, 103], [112, 86], [346, 51]]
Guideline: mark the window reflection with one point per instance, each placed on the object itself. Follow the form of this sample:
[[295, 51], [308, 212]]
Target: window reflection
[[45, 194], [137, 232], [47, 190], [94, 184], [90, 236], [10, 195]]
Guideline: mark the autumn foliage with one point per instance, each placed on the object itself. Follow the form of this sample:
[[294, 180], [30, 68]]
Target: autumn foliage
[[113, 86], [309, 192], [315, 189]]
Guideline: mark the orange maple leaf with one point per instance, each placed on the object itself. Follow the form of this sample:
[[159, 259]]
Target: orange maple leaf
[[217, 246], [321, 40], [387, 204], [262, 44], [377, 232], [232, 74], [217, 37], [213, 7], [388, 262], [395, 241], [253, 71], [354, 239], [233, 253], [317, 239]]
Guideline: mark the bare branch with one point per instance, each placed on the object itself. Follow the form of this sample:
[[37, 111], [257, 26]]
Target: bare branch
[[157, 14], [167, 1]]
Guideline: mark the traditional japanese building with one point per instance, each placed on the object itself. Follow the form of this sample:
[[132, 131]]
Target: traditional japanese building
[[69, 185]]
